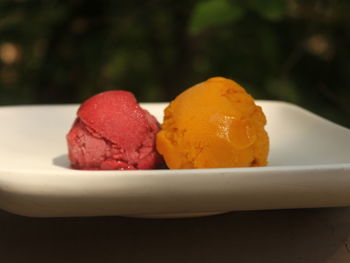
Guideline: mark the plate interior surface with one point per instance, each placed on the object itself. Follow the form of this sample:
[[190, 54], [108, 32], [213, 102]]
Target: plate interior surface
[[33, 137]]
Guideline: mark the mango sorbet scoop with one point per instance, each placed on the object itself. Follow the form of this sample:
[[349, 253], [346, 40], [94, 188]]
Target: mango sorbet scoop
[[214, 124]]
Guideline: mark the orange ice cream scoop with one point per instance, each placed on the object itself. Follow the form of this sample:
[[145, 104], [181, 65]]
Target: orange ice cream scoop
[[214, 124]]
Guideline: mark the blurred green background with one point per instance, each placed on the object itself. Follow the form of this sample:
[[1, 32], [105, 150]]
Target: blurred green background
[[66, 51]]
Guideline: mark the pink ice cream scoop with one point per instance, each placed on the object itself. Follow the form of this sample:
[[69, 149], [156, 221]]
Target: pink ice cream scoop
[[112, 132]]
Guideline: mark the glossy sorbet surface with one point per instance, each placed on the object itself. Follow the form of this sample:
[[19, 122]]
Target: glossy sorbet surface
[[214, 124]]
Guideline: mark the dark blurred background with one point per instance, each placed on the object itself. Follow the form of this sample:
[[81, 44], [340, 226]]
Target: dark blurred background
[[66, 51]]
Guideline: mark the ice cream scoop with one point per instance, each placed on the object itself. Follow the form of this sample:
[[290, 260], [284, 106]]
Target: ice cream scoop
[[112, 132], [214, 124]]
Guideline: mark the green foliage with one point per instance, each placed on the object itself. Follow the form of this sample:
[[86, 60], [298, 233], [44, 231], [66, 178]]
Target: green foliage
[[282, 89], [272, 10], [66, 51], [210, 13]]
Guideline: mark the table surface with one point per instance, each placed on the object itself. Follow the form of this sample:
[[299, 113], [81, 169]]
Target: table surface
[[302, 235]]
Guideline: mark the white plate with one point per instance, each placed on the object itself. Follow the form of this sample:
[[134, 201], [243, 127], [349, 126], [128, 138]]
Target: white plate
[[309, 167]]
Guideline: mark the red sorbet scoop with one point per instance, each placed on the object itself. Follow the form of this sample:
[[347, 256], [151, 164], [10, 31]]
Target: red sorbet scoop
[[112, 132]]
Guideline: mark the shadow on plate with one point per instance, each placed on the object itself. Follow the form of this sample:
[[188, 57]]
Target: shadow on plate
[[62, 161]]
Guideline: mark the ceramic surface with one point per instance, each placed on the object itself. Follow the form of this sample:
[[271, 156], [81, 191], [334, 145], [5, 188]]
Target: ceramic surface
[[309, 166]]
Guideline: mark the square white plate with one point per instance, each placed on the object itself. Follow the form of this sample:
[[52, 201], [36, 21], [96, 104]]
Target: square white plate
[[309, 166]]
